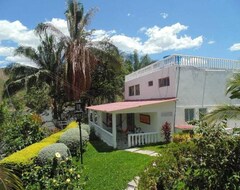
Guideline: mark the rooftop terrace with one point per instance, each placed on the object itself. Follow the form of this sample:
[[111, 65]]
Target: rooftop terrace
[[186, 60]]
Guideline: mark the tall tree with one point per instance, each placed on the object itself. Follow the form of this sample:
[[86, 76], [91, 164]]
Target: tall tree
[[49, 69], [223, 112], [108, 77], [137, 61], [80, 61]]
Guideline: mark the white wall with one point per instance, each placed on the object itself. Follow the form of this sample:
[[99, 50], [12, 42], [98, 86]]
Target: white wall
[[200, 88], [153, 92]]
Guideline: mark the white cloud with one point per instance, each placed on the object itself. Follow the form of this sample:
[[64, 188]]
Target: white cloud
[[159, 40], [126, 43], [164, 15], [6, 51], [235, 47], [99, 35], [61, 24], [18, 33], [129, 14], [211, 42], [143, 29], [20, 59]]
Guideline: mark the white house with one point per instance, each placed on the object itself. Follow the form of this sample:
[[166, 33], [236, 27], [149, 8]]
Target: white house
[[174, 90]]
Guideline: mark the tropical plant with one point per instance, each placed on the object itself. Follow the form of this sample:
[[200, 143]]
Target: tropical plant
[[223, 112], [80, 61], [48, 69], [8, 180], [166, 130], [138, 62], [209, 161]]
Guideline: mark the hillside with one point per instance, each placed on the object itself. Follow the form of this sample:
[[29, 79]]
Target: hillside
[[3, 78]]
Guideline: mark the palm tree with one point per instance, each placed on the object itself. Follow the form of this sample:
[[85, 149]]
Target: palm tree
[[227, 111], [138, 62], [49, 68], [80, 61], [9, 180]]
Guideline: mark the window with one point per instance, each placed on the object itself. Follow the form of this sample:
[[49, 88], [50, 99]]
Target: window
[[131, 91], [150, 83], [164, 82], [189, 114], [202, 112], [137, 89]]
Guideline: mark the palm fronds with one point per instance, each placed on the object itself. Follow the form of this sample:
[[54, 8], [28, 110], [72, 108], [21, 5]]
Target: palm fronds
[[221, 113]]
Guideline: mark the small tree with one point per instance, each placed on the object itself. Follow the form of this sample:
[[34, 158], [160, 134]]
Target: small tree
[[166, 131]]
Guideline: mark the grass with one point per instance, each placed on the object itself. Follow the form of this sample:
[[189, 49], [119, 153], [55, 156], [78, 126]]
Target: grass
[[109, 169]]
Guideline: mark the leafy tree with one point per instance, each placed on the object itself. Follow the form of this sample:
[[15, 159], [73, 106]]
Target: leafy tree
[[38, 99], [108, 76]]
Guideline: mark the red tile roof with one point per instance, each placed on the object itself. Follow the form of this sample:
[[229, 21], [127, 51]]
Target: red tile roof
[[184, 127], [117, 106]]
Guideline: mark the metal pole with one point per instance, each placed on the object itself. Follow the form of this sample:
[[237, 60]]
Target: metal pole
[[81, 148]]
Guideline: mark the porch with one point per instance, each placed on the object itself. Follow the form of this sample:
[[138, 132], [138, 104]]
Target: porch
[[125, 140], [129, 124]]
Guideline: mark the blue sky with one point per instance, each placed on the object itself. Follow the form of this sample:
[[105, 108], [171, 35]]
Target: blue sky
[[208, 28]]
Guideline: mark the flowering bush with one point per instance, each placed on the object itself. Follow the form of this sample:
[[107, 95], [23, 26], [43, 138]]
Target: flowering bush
[[61, 174], [166, 130]]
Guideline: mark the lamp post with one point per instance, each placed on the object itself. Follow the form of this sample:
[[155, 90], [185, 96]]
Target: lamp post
[[78, 115]]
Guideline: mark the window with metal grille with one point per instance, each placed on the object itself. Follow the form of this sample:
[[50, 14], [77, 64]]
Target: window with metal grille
[[189, 114]]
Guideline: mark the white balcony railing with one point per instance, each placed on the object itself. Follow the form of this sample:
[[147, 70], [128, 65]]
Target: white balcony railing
[[139, 139], [106, 136], [186, 60]]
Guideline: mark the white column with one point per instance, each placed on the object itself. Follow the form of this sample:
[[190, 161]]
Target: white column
[[100, 119], [114, 130]]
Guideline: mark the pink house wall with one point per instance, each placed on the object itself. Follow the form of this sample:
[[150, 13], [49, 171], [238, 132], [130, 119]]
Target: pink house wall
[[153, 92]]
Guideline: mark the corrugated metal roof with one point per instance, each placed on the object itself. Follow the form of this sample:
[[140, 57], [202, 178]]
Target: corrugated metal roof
[[117, 106]]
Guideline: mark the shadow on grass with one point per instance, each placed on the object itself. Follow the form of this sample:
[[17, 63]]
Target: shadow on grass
[[101, 146]]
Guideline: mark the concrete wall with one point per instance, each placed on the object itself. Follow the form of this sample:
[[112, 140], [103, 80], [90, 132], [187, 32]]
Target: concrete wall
[[153, 92], [201, 88]]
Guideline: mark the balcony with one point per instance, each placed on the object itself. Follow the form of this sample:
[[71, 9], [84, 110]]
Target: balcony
[[186, 60]]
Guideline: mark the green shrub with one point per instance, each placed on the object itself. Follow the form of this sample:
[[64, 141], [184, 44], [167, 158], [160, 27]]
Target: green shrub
[[71, 138], [60, 174], [86, 128], [210, 162], [48, 153], [27, 155]]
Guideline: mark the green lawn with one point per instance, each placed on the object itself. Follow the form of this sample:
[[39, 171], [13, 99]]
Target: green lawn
[[109, 169]]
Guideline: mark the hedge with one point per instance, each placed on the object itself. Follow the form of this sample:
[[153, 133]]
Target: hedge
[[27, 155]]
